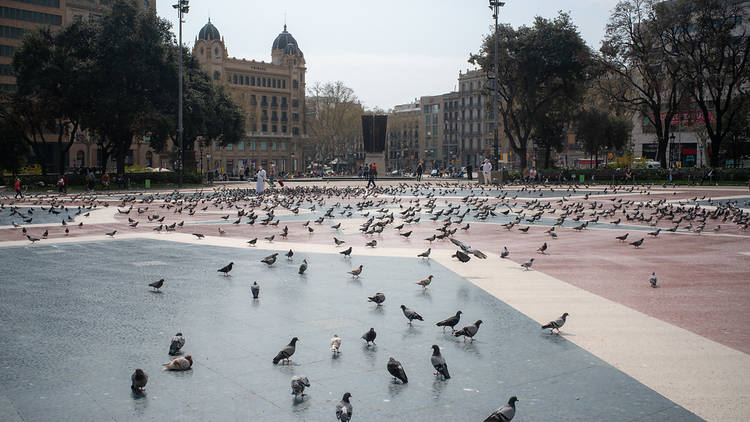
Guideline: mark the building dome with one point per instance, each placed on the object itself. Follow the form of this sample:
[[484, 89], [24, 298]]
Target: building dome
[[285, 41], [209, 32]]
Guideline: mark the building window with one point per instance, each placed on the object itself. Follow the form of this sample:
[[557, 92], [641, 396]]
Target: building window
[[149, 158], [241, 146], [234, 79], [283, 129], [253, 100], [7, 50], [230, 147], [283, 146], [274, 83], [295, 117], [295, 131], [264, 128], [251, 145], [273, 129], [264, 101], [252, 81], [273, 146], [255, 128], [283, 116], [273, 101], [216, 75], [263, 146], [295, 84], [295, 103], [11, 32], [247, 80]]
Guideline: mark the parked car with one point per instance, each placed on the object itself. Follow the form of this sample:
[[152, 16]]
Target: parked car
[[434, 173]]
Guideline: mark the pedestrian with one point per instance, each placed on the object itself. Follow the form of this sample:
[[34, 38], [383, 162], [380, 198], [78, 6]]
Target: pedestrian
[[247, 173], [470, 171], [260, 180], [60, 185], [91, 179], [628, 175], [65, 183], [671, 174], [371, 173], [17, 187], [105, 181], [487, 171], [419, 172]]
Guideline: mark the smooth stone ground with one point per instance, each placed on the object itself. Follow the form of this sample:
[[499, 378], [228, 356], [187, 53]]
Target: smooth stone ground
[[78, 318]]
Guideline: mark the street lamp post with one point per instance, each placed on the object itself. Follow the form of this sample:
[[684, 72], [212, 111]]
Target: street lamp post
[[495, 7], [182, 8]]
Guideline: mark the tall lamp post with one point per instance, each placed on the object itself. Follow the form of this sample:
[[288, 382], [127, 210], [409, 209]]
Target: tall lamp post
[[495, 7], [182, 9]]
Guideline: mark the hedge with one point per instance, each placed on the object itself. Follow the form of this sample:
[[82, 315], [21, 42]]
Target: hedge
[[607, 174], [136, 179]]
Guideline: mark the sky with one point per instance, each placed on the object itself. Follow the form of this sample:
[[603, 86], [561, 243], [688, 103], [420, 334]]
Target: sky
[[388, 51]]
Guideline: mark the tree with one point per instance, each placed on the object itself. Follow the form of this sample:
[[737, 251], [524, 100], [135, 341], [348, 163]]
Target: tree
[[133, 76], [549, 134], [335, 126], [53, 69], [599, 130], [712, 47], [13, 147], [540, 67], [637, 72]]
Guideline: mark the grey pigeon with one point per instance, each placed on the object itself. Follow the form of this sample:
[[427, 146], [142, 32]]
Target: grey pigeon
[[556, 324], [298, 385], [505, 413], [346, 252], [439, 362], [369, 336], [450, 322], [138, 380], [226, 269], [622, 238], [425, 254], [303, 267], [157, 284], [395, 369], [505, 252], [379, 298], [177, 342], [270, 259], [527, 265], [255, 289], [469, 331], [356, 272], [290, 254], [461, 256], [344, 409], [652, 280], [410, 314], [372, 243], [637, 243], [286, 352]]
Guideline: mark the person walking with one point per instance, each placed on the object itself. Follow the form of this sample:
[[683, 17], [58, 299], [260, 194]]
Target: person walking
[[470, 171], [419, 172], [105, 181], [17, 187], [260, 180], [371, 173], [487, 172]]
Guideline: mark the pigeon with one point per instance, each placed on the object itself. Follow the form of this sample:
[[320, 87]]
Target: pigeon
[[221, 231], [425, 254], [252, 242], [396, 370], [346, 252], [369, 336], [270, 238], [426, 282], [45, 234], [298, 385], [542, 249], [379, 298], [411, 315], [527, 265], [344, 409], [654, 233], [32, 239], [439, 363], [450, 322], [524, 229], [112, 233], [356, 272], [623, 237], [270, 259], [461, 256], [138, 380], [290, 254], [505, 252], [556, 324], [469, 331], [637, 243], [505, 413], [226, 269], [372, 243], [407, 234], [255, 289], [179, 364], [335, 343], [286, 352], [177, 342], [303, 267], [157, 284], [652, 280], [338, 242]]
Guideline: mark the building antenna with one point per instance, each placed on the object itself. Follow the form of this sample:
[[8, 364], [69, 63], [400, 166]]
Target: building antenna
[[284, 21]]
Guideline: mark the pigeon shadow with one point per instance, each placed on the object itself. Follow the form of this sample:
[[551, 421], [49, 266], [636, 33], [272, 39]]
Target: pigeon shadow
[[378, 310], [155, 291], [395, 388], [411, 330], [438, 386], [425, 293]]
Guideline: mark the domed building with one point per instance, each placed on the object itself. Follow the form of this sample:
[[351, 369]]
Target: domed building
[[272, 96]]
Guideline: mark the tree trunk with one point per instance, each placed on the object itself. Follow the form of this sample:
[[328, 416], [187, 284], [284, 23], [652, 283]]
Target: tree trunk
[[596, 159], [661, 153], [714, 156], [547, 155]]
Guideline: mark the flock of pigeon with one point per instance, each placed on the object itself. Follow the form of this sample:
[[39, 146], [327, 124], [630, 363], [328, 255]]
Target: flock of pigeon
[[381, 208]]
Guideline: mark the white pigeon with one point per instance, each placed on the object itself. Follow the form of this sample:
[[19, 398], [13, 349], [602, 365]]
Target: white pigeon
[[652, 279], [335, 343]]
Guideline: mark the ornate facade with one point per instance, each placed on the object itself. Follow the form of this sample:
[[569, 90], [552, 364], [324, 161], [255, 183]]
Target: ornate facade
[[272, 96]]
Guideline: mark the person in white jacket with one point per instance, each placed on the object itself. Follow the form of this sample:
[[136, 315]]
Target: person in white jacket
[[487, 171], [261, 180]]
